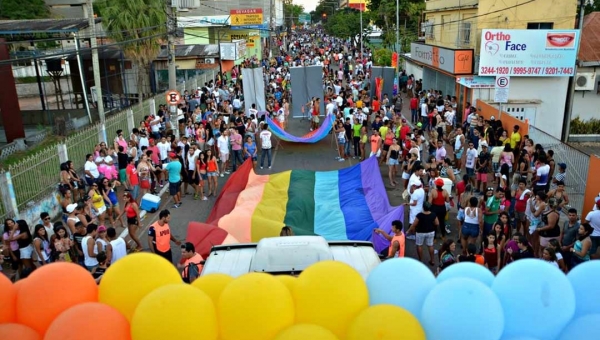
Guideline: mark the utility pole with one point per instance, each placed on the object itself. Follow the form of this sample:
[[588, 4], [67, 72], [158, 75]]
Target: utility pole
[[397, 29], [96, 69], [571, 89], [271, 26], [171, 30]]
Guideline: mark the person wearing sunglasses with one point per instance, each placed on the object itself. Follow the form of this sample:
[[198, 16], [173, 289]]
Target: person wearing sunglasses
[[47, 223]]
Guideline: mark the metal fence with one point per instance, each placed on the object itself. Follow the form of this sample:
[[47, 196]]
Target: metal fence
[[577, 165], [35, 175], [38, 174]]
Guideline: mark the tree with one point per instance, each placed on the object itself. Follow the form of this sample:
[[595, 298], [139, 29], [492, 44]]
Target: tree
[[591, 6], [292, 12], [140, 25], [345, 24], [382, 57], [23, 10], [383, 15]]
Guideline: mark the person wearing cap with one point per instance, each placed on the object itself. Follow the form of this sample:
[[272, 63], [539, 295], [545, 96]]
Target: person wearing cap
[[173, 168], [160, 236], [438, 197], [72, 218], [417, 197], [191, 258], [560, 176]]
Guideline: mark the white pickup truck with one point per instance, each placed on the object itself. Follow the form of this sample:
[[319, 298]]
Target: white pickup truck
[[289, 255]]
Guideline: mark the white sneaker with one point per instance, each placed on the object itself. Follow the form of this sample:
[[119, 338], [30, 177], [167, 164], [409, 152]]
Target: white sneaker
[[341, 159], [222, 175], [269, 167], [448, 229], [261, 167], [204, 198]]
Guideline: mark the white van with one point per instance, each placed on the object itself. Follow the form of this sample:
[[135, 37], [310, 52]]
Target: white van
[[289, 255]]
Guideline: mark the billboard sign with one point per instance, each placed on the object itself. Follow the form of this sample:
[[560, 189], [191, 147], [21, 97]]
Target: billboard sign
[[203, 21], [247, 18], [304, 18], [451, 61], [528, 53]]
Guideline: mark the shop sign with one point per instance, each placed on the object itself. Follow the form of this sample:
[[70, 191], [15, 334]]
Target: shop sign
[[528, 53], [451, 61]]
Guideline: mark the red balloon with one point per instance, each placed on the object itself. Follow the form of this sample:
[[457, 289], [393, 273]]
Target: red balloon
[[8, 299], [52, 289], [90, 321], [17, 331]]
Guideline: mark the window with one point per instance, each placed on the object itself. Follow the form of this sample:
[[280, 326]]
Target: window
[[464, 34], [540, 25], [428, 29]]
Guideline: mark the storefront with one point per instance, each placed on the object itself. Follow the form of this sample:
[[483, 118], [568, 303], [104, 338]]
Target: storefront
[[441, 66]]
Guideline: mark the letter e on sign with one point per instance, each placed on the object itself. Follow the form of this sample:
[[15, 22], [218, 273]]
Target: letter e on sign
[[173, 97]]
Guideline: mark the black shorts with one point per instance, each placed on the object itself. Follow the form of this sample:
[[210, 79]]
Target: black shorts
[[132, 221], [386, 147], [174, 188], [193, 178], [168, 255]]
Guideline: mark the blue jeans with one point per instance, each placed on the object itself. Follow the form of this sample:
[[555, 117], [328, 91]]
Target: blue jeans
[[264, 152], [414, 116], [347, 148], [237, 156]]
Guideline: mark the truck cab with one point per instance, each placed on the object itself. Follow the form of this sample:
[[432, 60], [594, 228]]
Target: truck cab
[[289, 255]]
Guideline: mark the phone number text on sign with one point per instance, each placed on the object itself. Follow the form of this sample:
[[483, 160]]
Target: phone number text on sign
[[527, 71]]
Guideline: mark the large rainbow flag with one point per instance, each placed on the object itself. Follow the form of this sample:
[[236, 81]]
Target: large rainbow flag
[[311, 137], [346, 204]]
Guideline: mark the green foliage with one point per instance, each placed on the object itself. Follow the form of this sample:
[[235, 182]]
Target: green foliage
[[292, 11], [382, 57], [591, 6], [23, 10], [32, 80], [580, 127], [141, 24], [345, 24], [383, 15]]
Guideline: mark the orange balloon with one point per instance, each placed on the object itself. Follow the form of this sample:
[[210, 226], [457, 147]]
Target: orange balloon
[[17, 331], [18, 286], [90, 321], [52, 289], [8, 300]]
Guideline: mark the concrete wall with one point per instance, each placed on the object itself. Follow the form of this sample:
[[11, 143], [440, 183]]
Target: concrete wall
[[586, 104], [32, 90]]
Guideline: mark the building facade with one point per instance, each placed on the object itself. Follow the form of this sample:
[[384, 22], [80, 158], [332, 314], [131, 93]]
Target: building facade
[[452, 28], [587, 81]]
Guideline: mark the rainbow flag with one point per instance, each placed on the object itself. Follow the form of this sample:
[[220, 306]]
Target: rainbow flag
[[311, 137], [346, 204]]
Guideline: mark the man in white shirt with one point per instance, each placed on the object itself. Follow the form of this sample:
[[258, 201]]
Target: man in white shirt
[[265, 144], [415, 179], [329, 107], [471, 160], [223, 145], [339, 100], [155, 127], [416, 204], [117, 244], [253, 111], [163, 150]]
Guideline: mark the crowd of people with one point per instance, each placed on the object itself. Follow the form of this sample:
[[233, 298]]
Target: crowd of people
[[508, 191]]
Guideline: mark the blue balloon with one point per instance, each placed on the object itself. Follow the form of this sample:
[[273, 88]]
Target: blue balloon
[[520, 338], [403, 282], [462, 308], [537, 298], [585, 279], [468, 270], [583, 327]]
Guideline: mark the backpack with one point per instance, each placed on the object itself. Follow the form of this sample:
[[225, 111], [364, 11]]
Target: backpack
[[193, 272]]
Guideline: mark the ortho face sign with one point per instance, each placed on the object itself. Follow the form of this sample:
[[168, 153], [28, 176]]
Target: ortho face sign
[[528, 53], [451, 61]]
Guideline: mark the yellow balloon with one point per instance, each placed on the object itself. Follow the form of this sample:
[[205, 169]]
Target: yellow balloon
[[254, 306], [175, 312], [385, 322], [287, 280], [212, 285], [130, 279], [330, 294], [306, 331]]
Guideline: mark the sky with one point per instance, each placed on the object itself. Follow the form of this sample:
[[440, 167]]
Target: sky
[[309, 5]]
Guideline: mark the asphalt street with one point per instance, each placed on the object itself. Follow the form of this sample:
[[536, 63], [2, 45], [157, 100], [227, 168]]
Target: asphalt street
[[286, 156]]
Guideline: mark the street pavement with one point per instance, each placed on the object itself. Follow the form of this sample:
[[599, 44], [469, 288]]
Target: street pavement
[[286, 156]]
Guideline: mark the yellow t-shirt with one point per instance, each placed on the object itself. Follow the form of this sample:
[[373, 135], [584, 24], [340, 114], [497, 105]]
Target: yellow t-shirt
[[515, 139], [383, 131]]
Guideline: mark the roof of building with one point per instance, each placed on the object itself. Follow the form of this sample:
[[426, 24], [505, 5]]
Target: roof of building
[[49, 26], [191, 51], [103, 53], [589, 49]]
